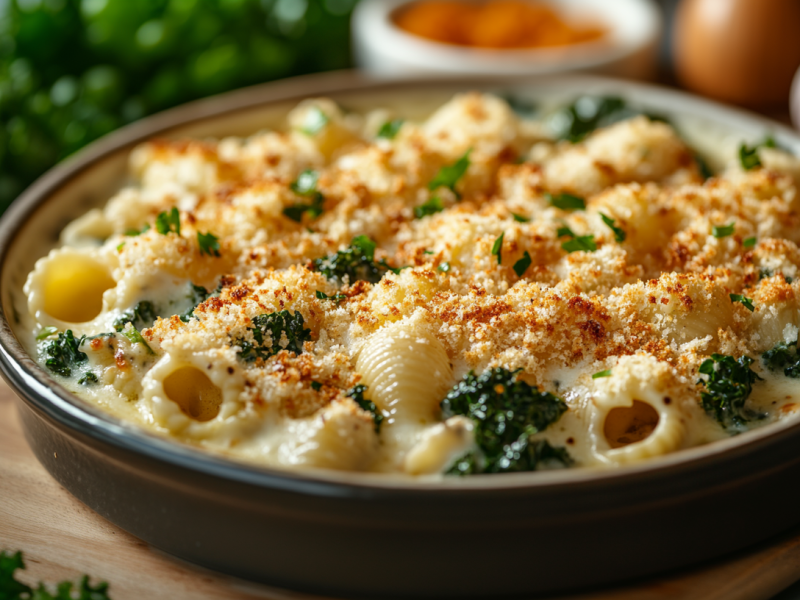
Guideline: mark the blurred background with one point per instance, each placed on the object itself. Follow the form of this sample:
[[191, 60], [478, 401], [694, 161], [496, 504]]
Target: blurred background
[[74, 70]]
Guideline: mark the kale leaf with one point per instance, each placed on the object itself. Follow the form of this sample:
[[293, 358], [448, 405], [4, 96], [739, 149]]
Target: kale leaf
[[357, 394], [506, 412], [63, 353], [141, 316], [727, 388], [588, 113], [197, 295], [783, 356], [354, 263], [268, 331], [12, 589], [306, 185]]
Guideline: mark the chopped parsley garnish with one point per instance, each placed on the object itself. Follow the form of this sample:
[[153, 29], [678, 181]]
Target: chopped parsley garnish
[[566, 201], [431, 207], [579, 243], [269, 330], [12, 589], [565, 231], [497, 248], [135, 337], [306, 185], [749, 242], [522, 264], [357, 394], [506, 412], [88, 378], [141, 316], [746, 302], [449, 175], [316, 386], [721, 231], [135, 232], [46, 332], [315, 121], [728, 384], [601, 374], [748, 155], [208, 243], [120, 246], [444, 267], [520, 218], [354, 263], [63, 353], [167, 222], [783, 356], [389, 129], [335, 298], [619, 234], [588, 113]]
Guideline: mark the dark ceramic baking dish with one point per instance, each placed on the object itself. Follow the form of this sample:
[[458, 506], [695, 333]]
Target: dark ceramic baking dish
[[367, 535]]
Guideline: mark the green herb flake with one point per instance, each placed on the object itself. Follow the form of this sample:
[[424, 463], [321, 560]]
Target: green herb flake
[[749, 242], [120, 246], [208, 244], [357, 394], [722, 231], [355, 263], [46, 332], [565, 231], [431, 207], [389, 130], [746, 302], [748, 157], [783, 356], [335, 298], [601, 374], [88, 379], [506, 412], [314, 121], [522, 264], [12, 589], [269, 330], [497, 248], [135, 232], [619, 234], [444, 267], [306, 185], [316, 386], [135, 337], [167, 222], [728, 385], [581, 243], [141, 316], [566, 201], [63, 353], [448, 176], [520, 218]]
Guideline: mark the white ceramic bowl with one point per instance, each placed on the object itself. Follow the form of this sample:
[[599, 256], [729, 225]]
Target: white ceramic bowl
[[629, 49]]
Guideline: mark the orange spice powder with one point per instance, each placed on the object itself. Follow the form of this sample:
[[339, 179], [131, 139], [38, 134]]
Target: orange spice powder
[[492, 24]]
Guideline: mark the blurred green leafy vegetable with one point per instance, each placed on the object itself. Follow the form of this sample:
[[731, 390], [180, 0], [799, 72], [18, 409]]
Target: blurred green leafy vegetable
[[12, 589]]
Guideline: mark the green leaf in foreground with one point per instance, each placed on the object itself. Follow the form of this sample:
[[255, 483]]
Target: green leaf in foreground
[[601, 374], [12, 589], [581, 243], [497, 248], [749, 242], [269, 332], [619, 234], [389, 130], [746, 302], [167, 222], [357, 394], [566, 201], [431, 207], [522, 264], [208, 244], [448, 176], [722, 231], [728, 385], [506, 412]]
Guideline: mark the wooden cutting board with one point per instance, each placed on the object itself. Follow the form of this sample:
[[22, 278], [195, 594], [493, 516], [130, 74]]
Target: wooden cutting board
[[62, 539]]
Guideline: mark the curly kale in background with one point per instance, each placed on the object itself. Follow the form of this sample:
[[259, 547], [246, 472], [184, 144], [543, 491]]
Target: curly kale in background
[[74, 70], [12, 589]]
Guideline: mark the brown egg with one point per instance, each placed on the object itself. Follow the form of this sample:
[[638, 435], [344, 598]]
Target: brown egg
[[741, 51]]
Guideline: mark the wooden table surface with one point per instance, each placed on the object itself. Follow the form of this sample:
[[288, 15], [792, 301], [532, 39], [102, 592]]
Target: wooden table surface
[[62, 539]]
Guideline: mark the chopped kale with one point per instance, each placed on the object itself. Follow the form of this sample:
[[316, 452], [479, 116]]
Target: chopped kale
[[135, 337], [335, 298], [525, 109], [63, 353], [522, 264], [506, 412], [141, 316], [306, 185], [448, 176], [354, 263], [316, 386], [566, 201], [197, 295], [580, 243], [167, 222], [746, 302], [88, 378], [748, 155], [520, 218], [389, 129], [619, 233], [728, 384], [12, 589], [357, 394], [749, 242], [722, 231], [497, 248], [46, 332], [431, 207], [783, 356], [268, 332], [588, 113], [208, 244]]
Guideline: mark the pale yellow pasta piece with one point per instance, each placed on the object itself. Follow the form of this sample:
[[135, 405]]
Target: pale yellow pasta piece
[[440, 446]]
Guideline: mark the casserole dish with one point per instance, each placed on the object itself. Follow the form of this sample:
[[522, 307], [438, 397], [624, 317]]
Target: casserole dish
[[371, 535]]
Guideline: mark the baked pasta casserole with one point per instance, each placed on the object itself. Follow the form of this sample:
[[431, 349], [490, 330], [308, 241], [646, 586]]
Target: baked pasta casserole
[[479, 292]]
